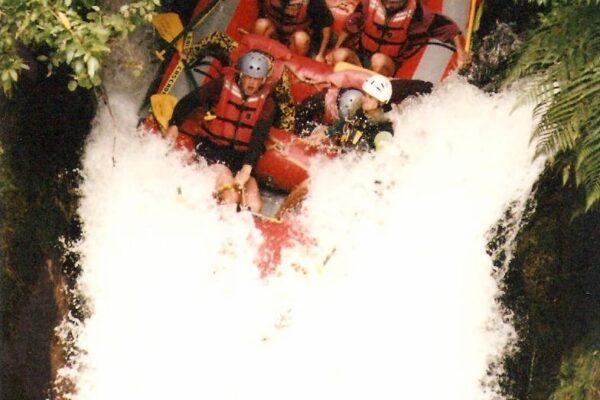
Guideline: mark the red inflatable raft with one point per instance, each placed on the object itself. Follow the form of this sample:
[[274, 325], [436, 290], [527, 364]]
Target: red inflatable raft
[[286, 162]]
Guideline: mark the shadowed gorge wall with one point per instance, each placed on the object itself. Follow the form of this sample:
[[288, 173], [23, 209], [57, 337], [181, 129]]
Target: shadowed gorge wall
[[42, 131], [553, 288]]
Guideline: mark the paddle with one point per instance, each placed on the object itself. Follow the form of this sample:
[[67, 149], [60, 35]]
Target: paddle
[[475, 11], [170, 25], [170, 28], [344, 66], [162, 108]]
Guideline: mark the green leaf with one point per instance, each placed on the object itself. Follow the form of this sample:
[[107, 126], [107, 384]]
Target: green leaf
[[70, 54], [92, 66], [78, 67], [72, 86], [563, 58]]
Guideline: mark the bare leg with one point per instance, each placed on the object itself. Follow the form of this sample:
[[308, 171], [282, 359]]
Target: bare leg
[[252, 196], [383, 64], [342, 54], [293, 199], [300, 42], [265, 27]]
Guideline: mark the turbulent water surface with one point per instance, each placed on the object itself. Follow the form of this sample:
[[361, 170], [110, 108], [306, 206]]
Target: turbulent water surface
[[403, 308]]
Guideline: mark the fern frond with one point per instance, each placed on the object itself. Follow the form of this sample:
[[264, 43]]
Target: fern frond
[[587, 166], [552, 138], [562, 63]]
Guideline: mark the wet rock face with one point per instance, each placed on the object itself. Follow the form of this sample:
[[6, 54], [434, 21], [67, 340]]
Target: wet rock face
[[42, 131], [501, 33], [491, 56], [551, 288], [26, 364]]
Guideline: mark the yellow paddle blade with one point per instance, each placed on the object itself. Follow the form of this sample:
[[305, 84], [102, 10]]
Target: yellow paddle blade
[[344, 66], [169, 26], [162, 108]]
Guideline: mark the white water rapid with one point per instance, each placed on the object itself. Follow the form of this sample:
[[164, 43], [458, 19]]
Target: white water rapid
[[403, 309]]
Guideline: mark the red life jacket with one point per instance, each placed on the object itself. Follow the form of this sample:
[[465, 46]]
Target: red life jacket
[[386, 34], [235, 116], [288, 15]]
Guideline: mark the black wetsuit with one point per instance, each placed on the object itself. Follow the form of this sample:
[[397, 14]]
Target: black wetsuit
[[205, 98], [359, 132]]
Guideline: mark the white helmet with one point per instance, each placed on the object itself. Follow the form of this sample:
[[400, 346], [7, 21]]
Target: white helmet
[[255, 64], [349, 102], [379, 87]]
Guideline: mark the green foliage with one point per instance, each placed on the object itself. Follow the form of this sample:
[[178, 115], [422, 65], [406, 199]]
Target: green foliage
[[562, 60], [580, 373], [76, 33]]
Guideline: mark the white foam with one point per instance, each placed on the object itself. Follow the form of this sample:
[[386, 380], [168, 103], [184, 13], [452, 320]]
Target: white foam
[[404, 307]]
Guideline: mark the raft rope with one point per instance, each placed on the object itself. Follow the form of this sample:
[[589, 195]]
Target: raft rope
[[105, 100], [225, 187], [233, 186], [243, 204]]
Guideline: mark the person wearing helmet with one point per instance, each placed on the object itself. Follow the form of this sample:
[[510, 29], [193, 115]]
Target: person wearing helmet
[[295, 22], [325, 107], [335, 106], [229, 118], [362, 122], [390, 31], [370, 119]]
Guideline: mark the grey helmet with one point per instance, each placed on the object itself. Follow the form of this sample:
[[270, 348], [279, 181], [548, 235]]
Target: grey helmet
[[349, 102], [255, 64]]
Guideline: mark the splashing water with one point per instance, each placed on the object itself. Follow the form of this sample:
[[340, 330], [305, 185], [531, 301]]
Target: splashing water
[[403, 308]]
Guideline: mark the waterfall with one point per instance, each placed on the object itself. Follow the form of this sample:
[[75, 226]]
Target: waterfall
[[394, 300]]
